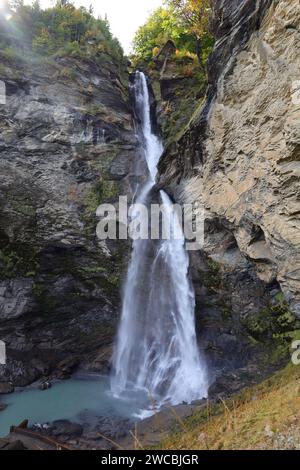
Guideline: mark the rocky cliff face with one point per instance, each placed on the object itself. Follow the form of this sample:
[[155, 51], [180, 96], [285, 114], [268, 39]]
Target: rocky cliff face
[[67, 144], [240, 158]]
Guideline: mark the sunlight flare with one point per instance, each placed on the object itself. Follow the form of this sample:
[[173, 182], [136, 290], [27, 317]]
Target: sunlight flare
[[3, 10]]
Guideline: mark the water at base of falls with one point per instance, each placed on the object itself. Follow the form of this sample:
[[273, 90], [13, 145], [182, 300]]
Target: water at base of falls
[[156, 360], [156, 349], [82, 399]]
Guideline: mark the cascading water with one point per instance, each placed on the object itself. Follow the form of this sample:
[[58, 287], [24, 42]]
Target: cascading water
[[156, 348]]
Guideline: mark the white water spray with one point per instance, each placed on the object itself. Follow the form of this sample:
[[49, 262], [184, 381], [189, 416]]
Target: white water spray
[[156, 348]]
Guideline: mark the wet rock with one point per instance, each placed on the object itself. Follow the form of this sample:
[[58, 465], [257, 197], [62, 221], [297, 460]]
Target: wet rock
[[24, 368], [112, 427], [3, 406], [66, 367], [45, 386], [6, 387], [228, 384], [65, 430]]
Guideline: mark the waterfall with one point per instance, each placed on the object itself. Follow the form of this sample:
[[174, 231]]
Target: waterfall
[[156, 349]]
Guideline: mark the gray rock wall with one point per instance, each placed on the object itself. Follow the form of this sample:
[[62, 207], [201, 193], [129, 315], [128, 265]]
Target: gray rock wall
[[240, 158], [67, 144]]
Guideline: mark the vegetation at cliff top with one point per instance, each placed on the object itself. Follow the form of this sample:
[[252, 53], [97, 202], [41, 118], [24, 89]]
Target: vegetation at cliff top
[[173, 46], [62, 30], [185, 22]]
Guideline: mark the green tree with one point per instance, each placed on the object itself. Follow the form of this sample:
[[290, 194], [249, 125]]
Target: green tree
[[62, 27], [195, 17], [161, 26]]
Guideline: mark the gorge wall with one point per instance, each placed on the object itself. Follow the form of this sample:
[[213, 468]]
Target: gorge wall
[[239, 156], [67, 144]]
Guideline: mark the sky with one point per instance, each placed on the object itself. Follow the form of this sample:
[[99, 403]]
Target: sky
[[125, 16]]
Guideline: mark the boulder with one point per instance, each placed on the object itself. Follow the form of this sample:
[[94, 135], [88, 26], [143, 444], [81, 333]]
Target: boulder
[[65, 430]]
